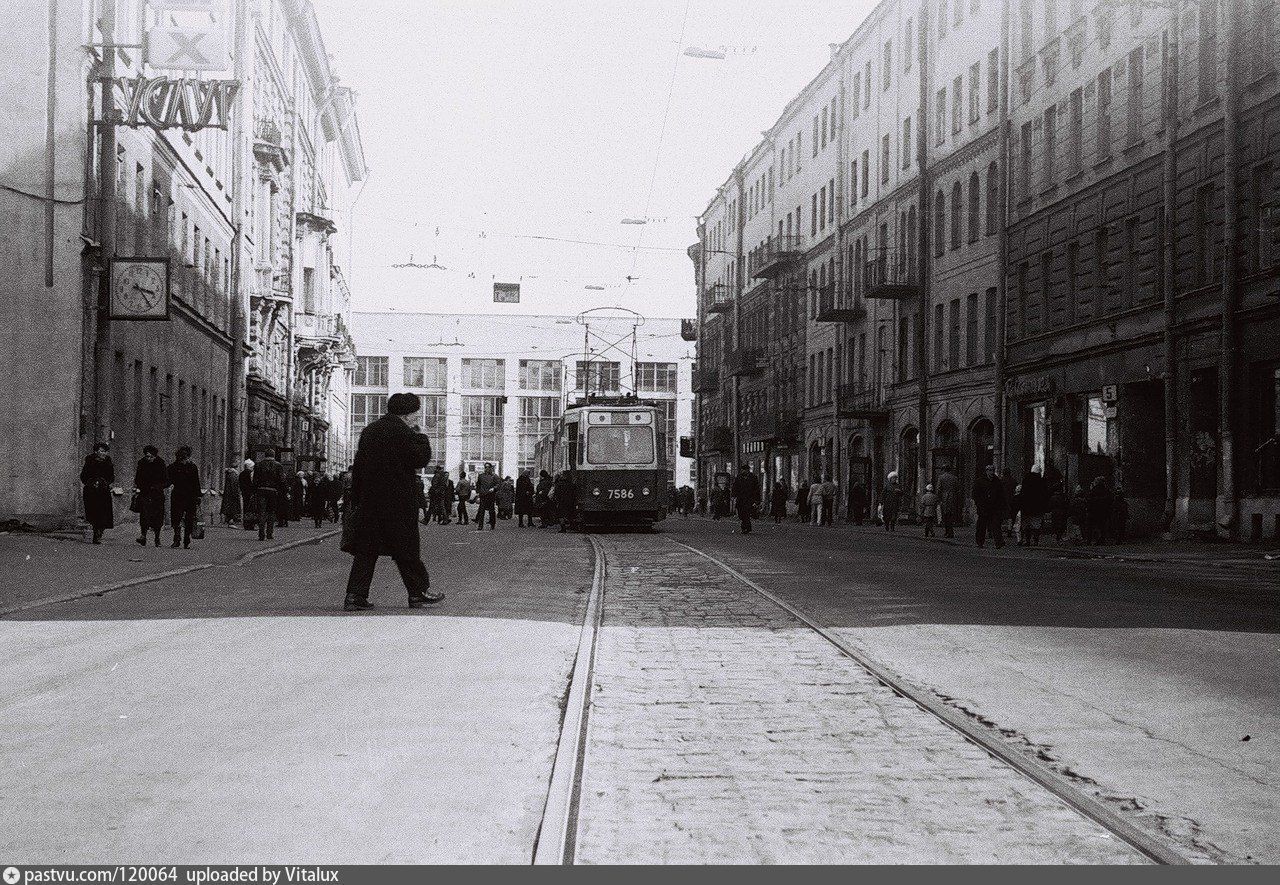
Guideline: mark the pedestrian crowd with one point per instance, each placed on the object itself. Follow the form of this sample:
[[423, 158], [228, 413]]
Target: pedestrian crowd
[[262, 495], [1027, 511], [548, 502]]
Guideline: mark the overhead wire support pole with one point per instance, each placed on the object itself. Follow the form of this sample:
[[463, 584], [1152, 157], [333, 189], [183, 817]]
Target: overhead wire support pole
[[107, 172]]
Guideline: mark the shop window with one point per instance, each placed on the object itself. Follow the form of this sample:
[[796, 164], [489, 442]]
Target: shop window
[[1096, 427]]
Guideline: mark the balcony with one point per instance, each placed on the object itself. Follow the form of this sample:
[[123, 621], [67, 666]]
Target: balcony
[[706, 381], [775, 256], [889, 279], [861, 402], [268, 144], [689, 330], [780, 427], [839, 305], [743, 362], [719, 300]]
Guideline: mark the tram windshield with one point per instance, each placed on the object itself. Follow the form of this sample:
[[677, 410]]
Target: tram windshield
[[620, 445]]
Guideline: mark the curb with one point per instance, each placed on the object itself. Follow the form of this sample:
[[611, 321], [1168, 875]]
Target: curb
[[160, 576], [288, 545]]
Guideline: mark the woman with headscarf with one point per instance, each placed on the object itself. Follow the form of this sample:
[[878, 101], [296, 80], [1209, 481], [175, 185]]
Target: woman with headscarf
[[525, 493], [231, 504], [891, 502], [149, 482], [96, 476]]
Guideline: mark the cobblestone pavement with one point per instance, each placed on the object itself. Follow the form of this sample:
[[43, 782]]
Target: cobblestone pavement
[[723, 730]]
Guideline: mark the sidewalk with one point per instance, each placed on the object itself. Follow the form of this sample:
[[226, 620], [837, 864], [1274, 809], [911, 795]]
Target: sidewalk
[[36, 567], [1180, 551]]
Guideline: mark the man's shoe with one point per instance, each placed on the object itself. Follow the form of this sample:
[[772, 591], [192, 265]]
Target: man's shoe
[[356, 604], [425, 600]]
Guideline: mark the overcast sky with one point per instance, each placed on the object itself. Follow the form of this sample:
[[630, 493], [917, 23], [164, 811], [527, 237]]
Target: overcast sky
[[488, 125]]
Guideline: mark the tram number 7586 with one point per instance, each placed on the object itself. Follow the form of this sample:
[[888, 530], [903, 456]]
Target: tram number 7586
[[619, 494]]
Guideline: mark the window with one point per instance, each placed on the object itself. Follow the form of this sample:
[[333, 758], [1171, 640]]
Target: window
[[816, 136], [853, 183], [1095, 427], [480, 374], [1027, 36], [825, 126], [1046, 276], [938, 338], [993, 80], [835, 115], [957, 105], [993, 198], [953, 335], [425, 372], [975, 78], [908, 44], [620, 444], [956, 216], [866, 97], [1135, 96], [540, 375], [1050, 18], [813, 215], [989, 325], [371, 371], [821, 208], [1101, 259], [1205, 243], [942, 17], [1050, 144], [884, 158], [1075, 134], [974, 208], [1024, 178], [365, 409], [857, 94], [1264, 233], [906, 143], [659, 377], [1207, 54], [971, 330], [939, 224], [831, 201], [1104, 115], [1073, 265], [431, 421], [866, 172], [482, 418], [598, 377], [886, 70], [538, 416], [940, 117], [904, 348]]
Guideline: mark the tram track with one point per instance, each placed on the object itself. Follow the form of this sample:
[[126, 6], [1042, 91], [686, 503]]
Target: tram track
[[557, 838]]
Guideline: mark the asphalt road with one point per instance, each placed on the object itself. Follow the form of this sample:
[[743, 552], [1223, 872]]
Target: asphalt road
[[236, 715], [1157, 685]]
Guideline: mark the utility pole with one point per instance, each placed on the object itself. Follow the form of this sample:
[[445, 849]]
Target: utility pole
[[1168, 270], [1002, 249], [1228, 523], [107, 173], [240, 133], [926, 269]]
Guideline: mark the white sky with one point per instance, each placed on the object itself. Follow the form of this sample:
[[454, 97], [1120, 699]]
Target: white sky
[[521, 118]]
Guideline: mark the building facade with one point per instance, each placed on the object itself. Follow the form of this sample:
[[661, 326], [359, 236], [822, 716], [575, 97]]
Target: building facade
[[193, 198], [1000, 262], [493, 385]]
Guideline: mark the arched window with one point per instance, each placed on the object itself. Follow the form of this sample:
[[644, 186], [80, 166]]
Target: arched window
[[911, 242], [956, 209], [939, 224], [993, 199], [974, 197]]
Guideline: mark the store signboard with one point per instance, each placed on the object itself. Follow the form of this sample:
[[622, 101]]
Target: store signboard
[[189, 35], [165, 103], [506, 293]]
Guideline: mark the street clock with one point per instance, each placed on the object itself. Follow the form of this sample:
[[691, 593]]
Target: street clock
[[139, 289]]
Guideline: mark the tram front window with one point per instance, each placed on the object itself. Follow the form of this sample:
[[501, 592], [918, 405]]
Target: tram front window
[[620, 445]]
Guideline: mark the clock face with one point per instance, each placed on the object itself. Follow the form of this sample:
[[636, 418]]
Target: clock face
[[138, 289]]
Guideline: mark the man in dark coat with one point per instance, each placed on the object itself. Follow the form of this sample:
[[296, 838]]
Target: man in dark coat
[[150, 481], [184, 500], [248, 502], [565, 495], [1032, 505], [487, 490], [268, 486], [990, 503], [524, 498], [96, 476], [386, 495], [746, 494]]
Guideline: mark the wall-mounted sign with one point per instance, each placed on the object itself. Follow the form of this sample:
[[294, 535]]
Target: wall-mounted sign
[[163, 103], [139, 289], [506, 293], [1110, 393], [189, 35]]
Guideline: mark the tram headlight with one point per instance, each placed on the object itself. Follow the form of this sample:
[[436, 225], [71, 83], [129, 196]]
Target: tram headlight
[[595, 492], [645, 491]]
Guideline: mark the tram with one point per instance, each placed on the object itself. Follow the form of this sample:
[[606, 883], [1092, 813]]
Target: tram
[[617, 455]]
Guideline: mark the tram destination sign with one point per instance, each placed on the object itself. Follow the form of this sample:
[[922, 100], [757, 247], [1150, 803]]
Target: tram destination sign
[[183, 103]]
